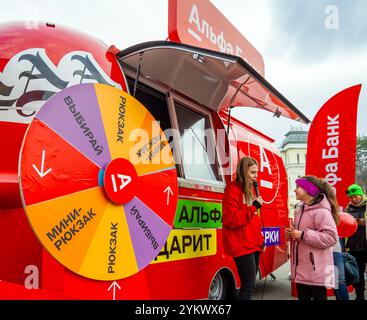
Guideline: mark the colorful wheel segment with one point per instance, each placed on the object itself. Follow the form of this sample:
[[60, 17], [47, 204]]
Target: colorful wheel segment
[[98, 181]]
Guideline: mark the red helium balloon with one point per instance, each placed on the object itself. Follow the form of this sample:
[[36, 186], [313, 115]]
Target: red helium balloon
[[347, 225]]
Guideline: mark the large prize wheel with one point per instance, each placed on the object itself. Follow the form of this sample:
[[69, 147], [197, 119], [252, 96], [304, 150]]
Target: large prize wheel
[[98, 181]]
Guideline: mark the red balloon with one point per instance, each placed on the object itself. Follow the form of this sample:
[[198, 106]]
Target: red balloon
[[347, 225]]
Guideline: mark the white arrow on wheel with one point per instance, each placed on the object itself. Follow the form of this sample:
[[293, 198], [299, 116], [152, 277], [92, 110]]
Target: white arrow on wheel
[[114, 285], [169, 191], [42, 173]]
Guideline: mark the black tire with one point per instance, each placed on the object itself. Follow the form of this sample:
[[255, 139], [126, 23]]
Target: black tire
[[222, 286]]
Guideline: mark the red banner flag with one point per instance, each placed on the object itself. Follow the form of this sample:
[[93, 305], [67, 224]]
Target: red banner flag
[[331, 147], [200, 23]]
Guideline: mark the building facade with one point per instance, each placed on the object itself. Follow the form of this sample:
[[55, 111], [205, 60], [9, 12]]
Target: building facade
[[293, 152]]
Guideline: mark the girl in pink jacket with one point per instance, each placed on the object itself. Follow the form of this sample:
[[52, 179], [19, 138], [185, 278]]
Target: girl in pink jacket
[[313, 235]]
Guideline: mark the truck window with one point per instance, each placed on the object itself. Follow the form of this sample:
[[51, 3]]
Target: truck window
[[197, 159], [154, 101], [198, 156]]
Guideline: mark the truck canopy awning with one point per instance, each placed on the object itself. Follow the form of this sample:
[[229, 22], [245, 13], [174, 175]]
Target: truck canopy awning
[[213, 79]]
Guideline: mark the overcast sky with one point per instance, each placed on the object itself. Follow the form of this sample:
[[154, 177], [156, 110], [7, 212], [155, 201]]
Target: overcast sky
[[304, 59]]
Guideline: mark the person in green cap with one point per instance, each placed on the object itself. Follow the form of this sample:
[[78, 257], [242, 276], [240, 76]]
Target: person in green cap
[[357, 243]]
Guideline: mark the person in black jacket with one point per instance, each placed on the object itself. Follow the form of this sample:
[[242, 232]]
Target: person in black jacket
[[357, 243]]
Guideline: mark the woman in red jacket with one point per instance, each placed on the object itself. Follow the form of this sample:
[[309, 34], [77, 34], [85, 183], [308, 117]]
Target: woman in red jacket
[[242, 237]]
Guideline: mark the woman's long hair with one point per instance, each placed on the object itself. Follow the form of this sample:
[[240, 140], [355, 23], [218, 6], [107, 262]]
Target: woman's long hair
[[243, 179], [328, 192]]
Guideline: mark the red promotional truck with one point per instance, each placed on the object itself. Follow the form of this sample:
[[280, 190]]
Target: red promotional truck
[[58, 90]]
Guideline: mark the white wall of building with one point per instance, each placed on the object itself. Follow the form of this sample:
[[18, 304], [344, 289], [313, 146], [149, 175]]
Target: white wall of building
[[294, 158]]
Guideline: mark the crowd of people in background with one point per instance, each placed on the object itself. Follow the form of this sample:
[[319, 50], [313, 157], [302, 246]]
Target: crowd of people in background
[[316, 249]]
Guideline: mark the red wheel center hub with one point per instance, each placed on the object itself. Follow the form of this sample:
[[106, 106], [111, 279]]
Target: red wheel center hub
[[119, 181]]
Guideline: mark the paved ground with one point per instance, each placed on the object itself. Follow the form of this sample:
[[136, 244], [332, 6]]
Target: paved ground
[[280, 288]]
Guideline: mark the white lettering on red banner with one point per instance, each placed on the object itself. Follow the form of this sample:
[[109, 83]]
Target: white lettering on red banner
[[203, 28], [332, 152]]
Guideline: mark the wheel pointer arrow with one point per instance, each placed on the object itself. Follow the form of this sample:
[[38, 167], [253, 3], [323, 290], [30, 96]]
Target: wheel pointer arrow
[[41, 173], [114, 285], [169, 191]]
